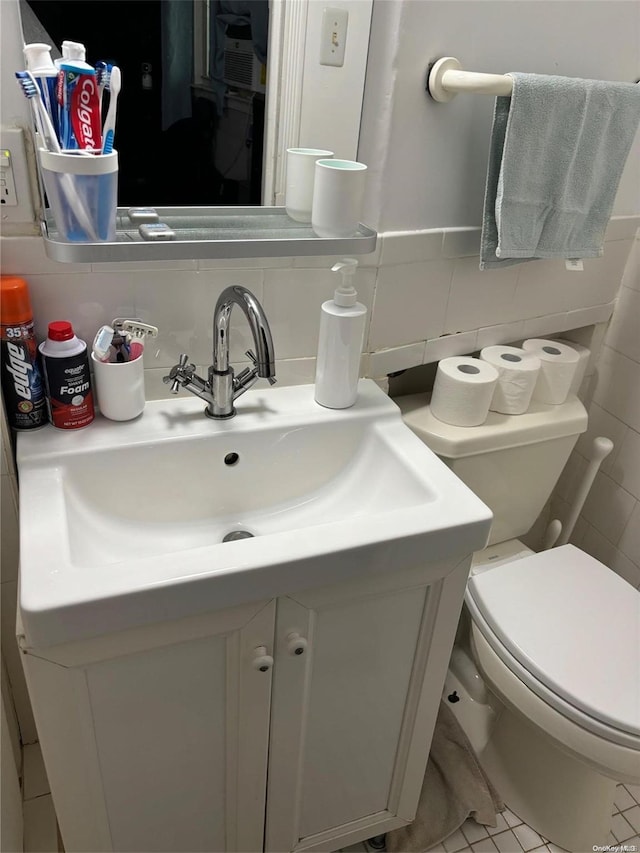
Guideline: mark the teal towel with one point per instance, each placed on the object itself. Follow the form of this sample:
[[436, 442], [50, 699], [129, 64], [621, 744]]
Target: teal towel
[[558, 148]]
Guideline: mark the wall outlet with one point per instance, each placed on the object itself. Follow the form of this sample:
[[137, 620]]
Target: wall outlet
[[333, 36], [15, 190]]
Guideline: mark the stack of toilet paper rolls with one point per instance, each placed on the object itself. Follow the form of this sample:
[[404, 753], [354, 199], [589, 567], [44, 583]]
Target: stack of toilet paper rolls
[[506, 379]]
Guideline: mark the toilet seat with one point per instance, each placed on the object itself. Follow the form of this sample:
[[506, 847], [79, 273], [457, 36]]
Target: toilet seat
[[595, 682]]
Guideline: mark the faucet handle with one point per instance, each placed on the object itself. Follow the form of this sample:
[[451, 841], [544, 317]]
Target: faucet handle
[[181, 371]]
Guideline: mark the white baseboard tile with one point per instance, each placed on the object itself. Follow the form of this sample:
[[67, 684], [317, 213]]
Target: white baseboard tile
[[397, 358], [449, 345]]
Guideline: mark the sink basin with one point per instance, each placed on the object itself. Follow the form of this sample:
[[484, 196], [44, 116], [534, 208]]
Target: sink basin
[[127, 524]]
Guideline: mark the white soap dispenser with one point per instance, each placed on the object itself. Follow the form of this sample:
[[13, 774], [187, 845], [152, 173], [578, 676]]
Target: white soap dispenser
[[342, 324]]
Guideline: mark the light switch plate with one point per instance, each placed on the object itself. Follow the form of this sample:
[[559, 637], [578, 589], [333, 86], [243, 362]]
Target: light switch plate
[[333, 36]]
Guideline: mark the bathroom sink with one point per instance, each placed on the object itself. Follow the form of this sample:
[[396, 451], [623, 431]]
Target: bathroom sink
[[173, 514]]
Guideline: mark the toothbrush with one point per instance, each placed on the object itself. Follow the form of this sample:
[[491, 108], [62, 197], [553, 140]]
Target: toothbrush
[[113, 82], [43, 121], [50, 140], [102, 73]]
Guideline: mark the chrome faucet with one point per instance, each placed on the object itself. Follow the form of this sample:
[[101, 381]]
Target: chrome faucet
[[222, 388]]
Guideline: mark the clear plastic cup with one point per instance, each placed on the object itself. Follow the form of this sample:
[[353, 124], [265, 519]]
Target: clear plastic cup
[[82, 190]]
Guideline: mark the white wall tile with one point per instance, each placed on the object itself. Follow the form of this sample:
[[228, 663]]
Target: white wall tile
[[143, 266], [293, 301], [601, 278], [629, 542], [35, 782], [243, 263], [480, 298], [449, 345], [370, 259], [598, 546], [9, 529], [397, 358], [410, 303], [183, 311], [503, 333], [25, 256], [8, 600], [589, 316], [624, 330], [601, 423], [622, 228], [6, 452], [154, 387], [40, 827], [541, 289], [631, 277], [571, 476], [295, 371], [87, 301], [625, 468], [461, 243], [409, 247], [541, 327], [618, 387], [608, 507]]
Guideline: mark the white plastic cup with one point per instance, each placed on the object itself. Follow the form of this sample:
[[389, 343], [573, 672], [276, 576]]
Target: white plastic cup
[[82, 190], [120, 388], [337, 197], [301, 165]]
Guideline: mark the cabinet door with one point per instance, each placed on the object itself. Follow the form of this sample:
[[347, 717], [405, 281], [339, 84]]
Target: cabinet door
[[177, 757], [353, 712]]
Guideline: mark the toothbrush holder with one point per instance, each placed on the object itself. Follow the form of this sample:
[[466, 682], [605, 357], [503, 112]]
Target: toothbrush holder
[[82, 190], [120, 388]]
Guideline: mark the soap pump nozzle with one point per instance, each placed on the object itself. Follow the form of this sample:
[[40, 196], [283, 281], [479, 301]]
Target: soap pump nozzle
[[345, 295]]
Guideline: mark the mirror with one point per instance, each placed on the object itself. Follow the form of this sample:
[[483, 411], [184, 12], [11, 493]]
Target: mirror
[[191, 112]]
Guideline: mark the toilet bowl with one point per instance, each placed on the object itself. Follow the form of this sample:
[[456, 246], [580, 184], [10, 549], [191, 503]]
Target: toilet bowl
[[555, 636], [569, 681]]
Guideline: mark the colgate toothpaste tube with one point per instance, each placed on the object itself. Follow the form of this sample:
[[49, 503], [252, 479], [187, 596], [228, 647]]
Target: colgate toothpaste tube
[[79, 96]]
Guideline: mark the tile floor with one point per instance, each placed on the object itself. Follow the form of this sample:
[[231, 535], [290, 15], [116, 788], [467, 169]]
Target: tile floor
[[511, 835]]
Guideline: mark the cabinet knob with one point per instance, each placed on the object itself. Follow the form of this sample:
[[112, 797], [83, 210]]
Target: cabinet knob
[[261, 660], [296, 645]]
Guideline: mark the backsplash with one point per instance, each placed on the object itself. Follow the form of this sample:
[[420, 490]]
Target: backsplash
[[418, 287]]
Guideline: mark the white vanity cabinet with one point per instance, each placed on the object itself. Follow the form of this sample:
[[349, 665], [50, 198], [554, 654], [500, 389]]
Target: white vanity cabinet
[[299, 723]]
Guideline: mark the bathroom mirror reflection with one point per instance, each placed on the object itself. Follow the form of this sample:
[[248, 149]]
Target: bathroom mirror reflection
[[191, 111]]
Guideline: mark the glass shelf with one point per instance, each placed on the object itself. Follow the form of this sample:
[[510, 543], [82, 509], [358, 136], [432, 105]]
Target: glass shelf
[[205, 232]]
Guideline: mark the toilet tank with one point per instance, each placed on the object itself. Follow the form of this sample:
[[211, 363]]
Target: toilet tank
[[511, 462]]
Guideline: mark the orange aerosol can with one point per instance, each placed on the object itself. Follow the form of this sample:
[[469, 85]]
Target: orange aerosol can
[[22, 388]]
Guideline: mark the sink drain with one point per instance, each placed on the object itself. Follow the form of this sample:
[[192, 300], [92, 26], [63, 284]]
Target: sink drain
[[237, 534]]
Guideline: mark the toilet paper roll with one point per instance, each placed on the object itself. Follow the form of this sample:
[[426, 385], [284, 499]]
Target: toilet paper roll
[[559, 364], [517, 375], [463, 390], [585, 355]]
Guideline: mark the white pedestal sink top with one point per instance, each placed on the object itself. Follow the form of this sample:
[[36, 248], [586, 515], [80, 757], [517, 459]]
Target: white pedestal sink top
[[122, 524]]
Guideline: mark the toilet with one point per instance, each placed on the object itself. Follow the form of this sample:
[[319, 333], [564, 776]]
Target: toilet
[[552, 649]]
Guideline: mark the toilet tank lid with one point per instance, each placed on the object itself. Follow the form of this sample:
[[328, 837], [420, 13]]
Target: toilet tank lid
[[540, 423]]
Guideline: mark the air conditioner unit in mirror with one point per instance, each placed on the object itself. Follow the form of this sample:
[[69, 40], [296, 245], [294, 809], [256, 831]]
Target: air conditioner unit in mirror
[[242, 68]]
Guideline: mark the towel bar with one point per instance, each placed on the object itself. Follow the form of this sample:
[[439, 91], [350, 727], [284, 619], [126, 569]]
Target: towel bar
[[446, 78]]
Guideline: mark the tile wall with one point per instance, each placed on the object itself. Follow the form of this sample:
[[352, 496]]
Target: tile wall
[[426, 299], [609, 527]]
